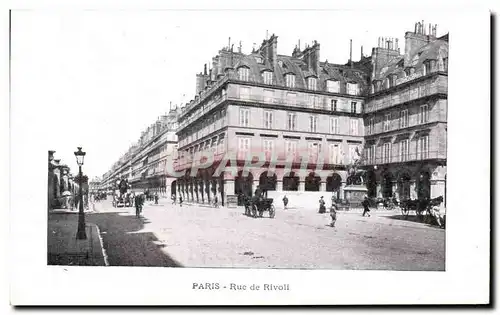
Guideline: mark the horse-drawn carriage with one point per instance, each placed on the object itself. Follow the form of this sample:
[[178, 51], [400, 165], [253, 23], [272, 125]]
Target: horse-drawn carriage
[[122, 196], [422, 208], [254, 206]]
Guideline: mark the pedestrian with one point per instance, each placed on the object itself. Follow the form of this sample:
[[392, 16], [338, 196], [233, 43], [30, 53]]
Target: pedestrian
[[174, 199], [438, 214], [322, 208], [180, 200], [285, 201], [333, 212], [216, 202], [138, 202], [366, 207], [156, 198]]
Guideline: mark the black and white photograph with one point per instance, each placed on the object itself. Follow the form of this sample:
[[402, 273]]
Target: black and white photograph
[[242, 141]]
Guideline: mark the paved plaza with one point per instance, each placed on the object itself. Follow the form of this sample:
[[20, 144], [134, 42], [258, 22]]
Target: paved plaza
[[200, 236]]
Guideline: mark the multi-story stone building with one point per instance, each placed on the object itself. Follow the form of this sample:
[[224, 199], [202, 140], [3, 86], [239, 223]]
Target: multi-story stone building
[[294, 121], [145, 163], [405, 117]]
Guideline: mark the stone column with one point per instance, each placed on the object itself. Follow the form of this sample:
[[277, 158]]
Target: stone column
[[379, 190], [341, 190], [395, 190], [279, 185], [228, 188], [220, 188], [208, 190], [413, 190], [201, 188], [255, 183], [302, 185], [322, 186]]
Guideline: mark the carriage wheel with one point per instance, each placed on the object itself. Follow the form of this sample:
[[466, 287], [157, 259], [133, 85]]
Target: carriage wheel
[[272, 211]]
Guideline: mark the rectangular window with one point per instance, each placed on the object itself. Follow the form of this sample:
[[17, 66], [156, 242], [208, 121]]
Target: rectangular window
[[386, 153], [332, 86], [268, 145], [243, 73], [268, 77], [244, 117], [268, 119], [403, 119], [353, 107], [313, 123], [387, 122], [290, 148], [290, 80], [334, 125], [314, 149], [268, 96], [291, 99], [371, 154], [403, 150], [371, 126], [333, 105], [423, 147], [424, 114], [352, 88], [353, 127], [291, 122], [243, 145], [311, 83], [244, 92], [334, 153]]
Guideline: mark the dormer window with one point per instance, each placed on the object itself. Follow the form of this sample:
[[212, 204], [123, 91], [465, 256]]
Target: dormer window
[[391, 80], [259, 60], [267, 77], [280, 63], [409, 71], [243, 73], [333, 86], [312, 83], [290, 80], [352, 88]]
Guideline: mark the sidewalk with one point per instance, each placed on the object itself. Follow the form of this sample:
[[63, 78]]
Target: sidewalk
[[63, 247]]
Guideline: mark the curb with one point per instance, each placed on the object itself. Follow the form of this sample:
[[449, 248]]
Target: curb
[[105, 256]]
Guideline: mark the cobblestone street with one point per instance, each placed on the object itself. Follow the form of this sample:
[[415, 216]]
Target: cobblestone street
[[197, 236]]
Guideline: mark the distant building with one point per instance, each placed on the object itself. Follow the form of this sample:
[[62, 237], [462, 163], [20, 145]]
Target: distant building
[[145, 163]]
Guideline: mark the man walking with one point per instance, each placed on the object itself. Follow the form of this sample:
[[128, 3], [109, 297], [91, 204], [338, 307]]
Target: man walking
[[366, 207], [322, 208], [285, 202]]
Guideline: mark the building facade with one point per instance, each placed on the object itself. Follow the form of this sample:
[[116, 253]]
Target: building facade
[[287, 123], [62, 186], [145, 163], [406, 117]]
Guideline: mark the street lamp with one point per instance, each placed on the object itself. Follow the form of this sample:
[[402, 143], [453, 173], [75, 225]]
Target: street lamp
[[80, 234]]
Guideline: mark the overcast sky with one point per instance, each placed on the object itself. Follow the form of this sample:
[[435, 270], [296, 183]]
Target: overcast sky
[[101, 77]]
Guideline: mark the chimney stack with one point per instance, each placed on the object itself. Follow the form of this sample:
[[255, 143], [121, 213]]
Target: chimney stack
[[350, 52]]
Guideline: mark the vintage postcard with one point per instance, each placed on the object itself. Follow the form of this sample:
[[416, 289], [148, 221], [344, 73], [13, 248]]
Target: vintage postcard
[[250, 157]]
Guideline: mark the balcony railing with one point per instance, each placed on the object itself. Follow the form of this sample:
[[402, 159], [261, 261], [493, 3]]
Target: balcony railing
[[401, 158], [410, 93], [211, 104]]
